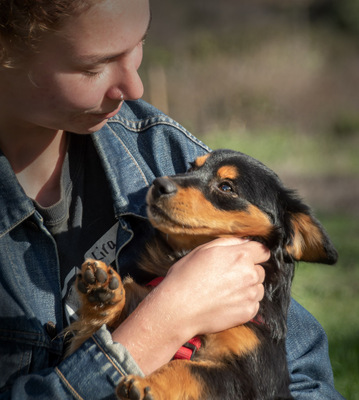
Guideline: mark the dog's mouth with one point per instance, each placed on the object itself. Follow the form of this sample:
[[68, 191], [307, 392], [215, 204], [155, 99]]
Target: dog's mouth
[[156, 214], [179, 234]]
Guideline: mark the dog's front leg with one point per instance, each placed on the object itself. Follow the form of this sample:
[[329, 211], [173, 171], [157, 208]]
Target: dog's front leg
[[102, 297]]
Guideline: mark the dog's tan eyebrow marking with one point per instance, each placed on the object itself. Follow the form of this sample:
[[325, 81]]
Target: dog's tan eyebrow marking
[[201, 160], [228, 172]]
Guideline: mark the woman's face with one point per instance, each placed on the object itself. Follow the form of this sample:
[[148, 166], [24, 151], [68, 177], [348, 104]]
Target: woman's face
[[76, 80]]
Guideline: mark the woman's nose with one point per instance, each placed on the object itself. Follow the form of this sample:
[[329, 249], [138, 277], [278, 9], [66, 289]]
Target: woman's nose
[[127, 81], [132, 87], [129, 86]]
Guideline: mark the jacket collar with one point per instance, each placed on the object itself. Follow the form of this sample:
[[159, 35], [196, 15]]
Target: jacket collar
[[129, 177], [15, 206], [128, 182]]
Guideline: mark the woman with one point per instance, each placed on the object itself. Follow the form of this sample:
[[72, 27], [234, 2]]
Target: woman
[[69, 66]]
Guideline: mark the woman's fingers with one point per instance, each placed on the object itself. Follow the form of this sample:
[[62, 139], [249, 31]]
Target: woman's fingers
[[220, 283]]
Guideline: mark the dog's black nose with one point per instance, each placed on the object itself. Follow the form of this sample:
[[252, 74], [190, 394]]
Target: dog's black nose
[[163, 186]]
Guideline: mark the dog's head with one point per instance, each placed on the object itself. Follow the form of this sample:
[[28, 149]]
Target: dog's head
[[227, 193]]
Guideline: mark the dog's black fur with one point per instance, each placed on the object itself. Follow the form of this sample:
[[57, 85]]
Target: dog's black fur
[[225, 193]]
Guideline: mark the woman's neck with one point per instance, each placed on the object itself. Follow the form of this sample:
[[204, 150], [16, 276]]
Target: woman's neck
[[36, 158]]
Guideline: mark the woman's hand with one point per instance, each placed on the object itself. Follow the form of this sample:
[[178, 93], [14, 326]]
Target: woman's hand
[[220, 284], [215, 287]]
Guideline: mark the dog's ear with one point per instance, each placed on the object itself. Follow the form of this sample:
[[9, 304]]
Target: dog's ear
[[308, 240]]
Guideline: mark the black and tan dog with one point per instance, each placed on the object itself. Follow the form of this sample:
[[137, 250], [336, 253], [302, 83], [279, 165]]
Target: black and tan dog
[[225, 193]]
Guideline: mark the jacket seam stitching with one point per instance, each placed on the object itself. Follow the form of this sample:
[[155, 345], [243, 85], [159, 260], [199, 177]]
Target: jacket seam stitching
[[20, 363], [142, 124], [138, 126], [68, 385], [108, 357], [10, 228], [147, 124]]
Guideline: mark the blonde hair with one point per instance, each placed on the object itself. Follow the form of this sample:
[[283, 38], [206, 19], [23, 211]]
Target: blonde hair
[[23, 23]]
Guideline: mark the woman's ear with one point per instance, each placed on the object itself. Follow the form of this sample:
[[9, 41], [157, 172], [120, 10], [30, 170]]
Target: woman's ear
[[308, 240]]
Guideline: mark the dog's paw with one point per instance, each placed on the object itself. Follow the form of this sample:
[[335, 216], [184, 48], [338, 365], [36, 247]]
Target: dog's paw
[[99, 283], [134, 388]]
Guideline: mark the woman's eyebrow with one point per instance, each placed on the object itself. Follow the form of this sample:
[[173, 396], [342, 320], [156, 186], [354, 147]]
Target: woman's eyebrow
[[101, 59]]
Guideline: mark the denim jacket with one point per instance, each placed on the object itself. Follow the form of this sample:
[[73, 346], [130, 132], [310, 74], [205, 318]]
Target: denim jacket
[[135, 146]]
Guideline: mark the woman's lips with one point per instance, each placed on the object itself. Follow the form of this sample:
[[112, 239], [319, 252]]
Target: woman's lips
[[109, 114]]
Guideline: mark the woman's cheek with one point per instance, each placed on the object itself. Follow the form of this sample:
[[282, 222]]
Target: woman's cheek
[[81, 91]]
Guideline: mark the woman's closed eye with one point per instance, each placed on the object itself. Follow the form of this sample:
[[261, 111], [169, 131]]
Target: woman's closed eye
[[93, 73]]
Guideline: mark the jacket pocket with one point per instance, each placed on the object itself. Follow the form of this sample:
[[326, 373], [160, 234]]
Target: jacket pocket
[[24, 352], [15, 360]]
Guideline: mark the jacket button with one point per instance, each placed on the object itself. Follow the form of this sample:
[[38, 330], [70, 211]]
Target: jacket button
[[51, 330]]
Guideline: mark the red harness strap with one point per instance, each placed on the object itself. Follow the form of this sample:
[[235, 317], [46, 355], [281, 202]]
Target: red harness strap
[[258, 320], [189, 349], [155, 282]]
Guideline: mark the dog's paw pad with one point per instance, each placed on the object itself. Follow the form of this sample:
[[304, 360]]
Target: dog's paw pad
[[100, 296], [132, 388], [101, 275], [114, 283], [89, 276], [98, 282]]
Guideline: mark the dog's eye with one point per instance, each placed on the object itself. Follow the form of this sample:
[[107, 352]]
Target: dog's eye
[[225, 187]]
